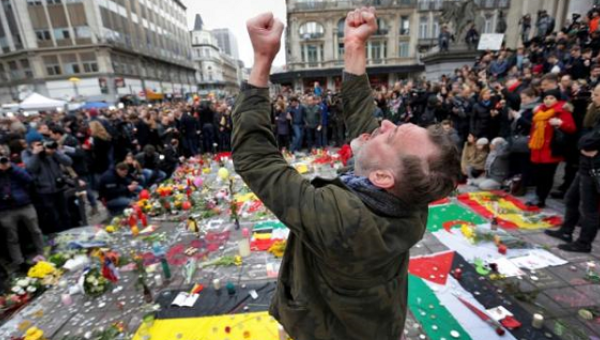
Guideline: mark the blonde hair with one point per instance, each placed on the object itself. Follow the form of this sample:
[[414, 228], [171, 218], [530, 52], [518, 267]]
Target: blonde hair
[[98, 131]]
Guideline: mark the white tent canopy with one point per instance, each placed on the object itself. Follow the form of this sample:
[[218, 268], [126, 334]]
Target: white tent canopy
[[36, 101]]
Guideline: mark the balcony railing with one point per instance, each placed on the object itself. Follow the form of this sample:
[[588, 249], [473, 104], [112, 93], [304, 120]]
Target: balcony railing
[[311, 36], [305, 6]]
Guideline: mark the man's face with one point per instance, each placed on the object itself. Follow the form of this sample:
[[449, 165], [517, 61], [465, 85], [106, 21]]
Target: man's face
[[596, 72], [575, 53], [385, 145], [565, 81], [122, 172], [55, 136], [548, 85], [44, 130], [525, 99]]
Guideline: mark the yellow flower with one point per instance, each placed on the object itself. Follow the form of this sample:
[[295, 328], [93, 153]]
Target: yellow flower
[[41, 270], [34, 333], [110, 229], [468, 232]]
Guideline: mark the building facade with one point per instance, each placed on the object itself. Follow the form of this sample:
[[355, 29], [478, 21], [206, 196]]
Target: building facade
[[227, 42], [408, 30], [95, 49], [218, 72]]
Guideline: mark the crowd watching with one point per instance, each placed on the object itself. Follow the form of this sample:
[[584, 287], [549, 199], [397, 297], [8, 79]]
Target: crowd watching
[[516, 114]]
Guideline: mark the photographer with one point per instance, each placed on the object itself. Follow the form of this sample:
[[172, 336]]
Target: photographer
[[117, 190], [44, 162], [16, 207]]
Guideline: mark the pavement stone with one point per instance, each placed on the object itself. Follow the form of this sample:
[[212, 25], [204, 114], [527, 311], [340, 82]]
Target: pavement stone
[[570, 297], [573, 274], [569, 328]]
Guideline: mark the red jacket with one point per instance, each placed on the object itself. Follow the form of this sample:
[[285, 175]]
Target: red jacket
[[544, 155]]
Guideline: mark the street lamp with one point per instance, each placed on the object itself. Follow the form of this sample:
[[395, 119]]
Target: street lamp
[[75, 81]]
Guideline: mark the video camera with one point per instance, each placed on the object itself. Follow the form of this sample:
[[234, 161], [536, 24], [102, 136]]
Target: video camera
[[52, 145]]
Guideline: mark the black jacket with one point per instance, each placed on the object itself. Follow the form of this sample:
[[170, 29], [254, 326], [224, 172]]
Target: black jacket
[[480, 120], [114, 186], [188, 126], [14, 188], [148, 162]]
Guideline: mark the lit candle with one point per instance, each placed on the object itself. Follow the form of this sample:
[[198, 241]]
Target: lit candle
[[538, 321], [158, 280], [216, 284], [66, 299], [244, 247]]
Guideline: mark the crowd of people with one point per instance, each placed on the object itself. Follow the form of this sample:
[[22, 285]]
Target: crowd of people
[[515, 114]]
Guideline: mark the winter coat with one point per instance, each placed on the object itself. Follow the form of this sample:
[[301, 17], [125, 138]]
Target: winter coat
[[544, 155], [473, 157], [344, 274], [14, 188], [101, 150], [113, 186], [283, 124], [481, 119], [46, 170]]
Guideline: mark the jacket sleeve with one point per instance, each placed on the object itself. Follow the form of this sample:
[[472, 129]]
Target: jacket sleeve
[[311, 213], [568, 125], [32, 162], [21, 175], [62, 159], [358, 105], [591, 140]]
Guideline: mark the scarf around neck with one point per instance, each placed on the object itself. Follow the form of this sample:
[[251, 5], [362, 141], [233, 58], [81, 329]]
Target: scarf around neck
[[377, 199], [540, 121]]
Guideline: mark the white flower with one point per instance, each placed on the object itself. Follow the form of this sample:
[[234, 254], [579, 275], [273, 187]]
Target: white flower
[[18, 290], [90, 279], [31, 289], [23, 283]]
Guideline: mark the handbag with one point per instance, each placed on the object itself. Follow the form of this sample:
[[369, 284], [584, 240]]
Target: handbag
[[519, 144], [558, 144]]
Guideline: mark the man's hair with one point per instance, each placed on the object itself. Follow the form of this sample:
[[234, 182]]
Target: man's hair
[[530, 92], [551, 77], [57, 130], [122, 166], [417, 186], [149, 148]]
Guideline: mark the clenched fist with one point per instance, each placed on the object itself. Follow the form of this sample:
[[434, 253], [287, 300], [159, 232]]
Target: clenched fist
[[360, 25], [265, 33]]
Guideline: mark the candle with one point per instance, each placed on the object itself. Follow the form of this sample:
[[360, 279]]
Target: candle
[[158, 280], [132, 220], [217, 284], [230, 288], [246, 232], [244, 247], [66, 299], [144, 220], [135, 230], [457, 273], [538, 321]]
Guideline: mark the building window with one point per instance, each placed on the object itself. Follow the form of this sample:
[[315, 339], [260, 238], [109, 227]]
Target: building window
[[70, 63], [341, 26], [423, 27], [311, 54], [62, 33], [15, 73], [34, 2], [404, 25], [378, 50], [26, 68], [54, 2], [404, 48], [341, 51], [488, 26], [312, 30], [83, 32], [436, 27], [89, 62], [43, 35], [52, 65], [382, 28]]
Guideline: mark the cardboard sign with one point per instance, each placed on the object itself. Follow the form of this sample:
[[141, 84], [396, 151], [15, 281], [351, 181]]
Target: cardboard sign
[[490, 41]]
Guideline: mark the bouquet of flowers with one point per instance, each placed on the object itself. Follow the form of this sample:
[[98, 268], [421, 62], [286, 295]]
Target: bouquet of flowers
[[41, 270], [94, 284]]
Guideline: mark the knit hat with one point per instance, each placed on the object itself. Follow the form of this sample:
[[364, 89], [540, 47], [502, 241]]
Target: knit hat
[[483, 141], [93, 113], [554, 93], [33, 136]]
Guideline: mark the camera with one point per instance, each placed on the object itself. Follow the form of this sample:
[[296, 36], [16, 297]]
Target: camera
[[60, 183], [53, 145]]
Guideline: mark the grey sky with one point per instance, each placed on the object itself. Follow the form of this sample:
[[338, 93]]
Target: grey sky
[[233, 14]]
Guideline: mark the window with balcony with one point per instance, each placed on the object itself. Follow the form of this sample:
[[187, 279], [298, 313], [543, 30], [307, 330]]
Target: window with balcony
[[54, 2], [83, 32], [341, 50], [26, 67], [404, 49], [15, 72], [34, 2], [312, 54], [52, 65], [312, 30], [405, 25], [423, 27], [378, 50], [382, 28]]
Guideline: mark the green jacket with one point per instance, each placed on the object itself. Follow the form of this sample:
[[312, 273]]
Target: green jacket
[[344, 272], [313, 116]]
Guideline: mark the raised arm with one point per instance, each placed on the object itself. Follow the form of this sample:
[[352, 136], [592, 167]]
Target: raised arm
[[302, 207], [357, 97]]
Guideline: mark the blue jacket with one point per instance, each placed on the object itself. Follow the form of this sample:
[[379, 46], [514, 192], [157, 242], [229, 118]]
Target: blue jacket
[[298, 115], [113, 186], [14, 188], [324, 113]]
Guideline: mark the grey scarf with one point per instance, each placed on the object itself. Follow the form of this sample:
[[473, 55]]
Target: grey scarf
[[377, 199]]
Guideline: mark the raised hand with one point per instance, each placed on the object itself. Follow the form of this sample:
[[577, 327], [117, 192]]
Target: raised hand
[[265, 33], [360, 25]]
